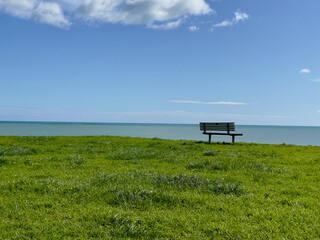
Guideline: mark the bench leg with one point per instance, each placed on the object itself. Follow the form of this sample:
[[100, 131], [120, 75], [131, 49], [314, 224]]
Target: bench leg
[[232, 138], [209, 138]]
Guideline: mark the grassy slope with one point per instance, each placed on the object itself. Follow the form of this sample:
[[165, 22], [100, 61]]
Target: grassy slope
[[112, 187]]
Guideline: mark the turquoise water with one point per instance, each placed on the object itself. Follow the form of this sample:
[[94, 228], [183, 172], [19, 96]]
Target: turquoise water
[[256, 134]]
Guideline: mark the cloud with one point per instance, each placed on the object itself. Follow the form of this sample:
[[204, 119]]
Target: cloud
[[193, 28], [141, 11], [64, 115], [156, 14], [209, 103], [43, 12], [166, 26], [304, 70], [315, 80], [238, 17], [51, 14], [18, 8]]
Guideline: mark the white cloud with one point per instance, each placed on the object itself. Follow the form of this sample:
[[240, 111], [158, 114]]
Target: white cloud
[[43, 12], [156, 14], [315, 80], [18, 8], [238, 16], [141, 11], [50, 13], [209, 103], [225, 23], [166, 26], [304, 70], [193, 28]]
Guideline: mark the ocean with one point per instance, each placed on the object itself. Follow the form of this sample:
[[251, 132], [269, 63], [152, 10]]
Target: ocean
[[251, 134]]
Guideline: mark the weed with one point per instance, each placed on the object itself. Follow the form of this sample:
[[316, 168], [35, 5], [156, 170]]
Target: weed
[[186, 182], [76, 160], [3, 160], [212, 153]]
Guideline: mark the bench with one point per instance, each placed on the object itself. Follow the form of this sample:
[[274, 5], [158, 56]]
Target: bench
[[208, 127]]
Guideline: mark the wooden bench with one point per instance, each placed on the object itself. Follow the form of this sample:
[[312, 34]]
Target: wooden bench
[[208, 127]]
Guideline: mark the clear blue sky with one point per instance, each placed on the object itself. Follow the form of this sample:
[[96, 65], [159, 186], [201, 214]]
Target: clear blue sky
[[160, 61]]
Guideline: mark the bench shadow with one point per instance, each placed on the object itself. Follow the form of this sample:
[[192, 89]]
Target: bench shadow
[[215, 143]]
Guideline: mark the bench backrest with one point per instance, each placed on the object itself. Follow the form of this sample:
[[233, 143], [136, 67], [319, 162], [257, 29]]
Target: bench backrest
[[217, 126]]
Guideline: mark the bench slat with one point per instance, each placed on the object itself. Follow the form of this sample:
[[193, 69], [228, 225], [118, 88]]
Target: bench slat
[[227, 134], [213, 124], [217, 126], [222, 128]]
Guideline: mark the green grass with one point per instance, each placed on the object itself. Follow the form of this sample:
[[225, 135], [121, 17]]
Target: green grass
[[134, 188]]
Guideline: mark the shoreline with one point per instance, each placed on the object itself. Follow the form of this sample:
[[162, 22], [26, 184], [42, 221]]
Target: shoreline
[[258, 134]]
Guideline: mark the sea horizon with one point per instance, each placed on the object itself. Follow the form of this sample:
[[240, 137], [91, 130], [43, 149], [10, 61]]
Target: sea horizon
[[151, 123], [266, 134]]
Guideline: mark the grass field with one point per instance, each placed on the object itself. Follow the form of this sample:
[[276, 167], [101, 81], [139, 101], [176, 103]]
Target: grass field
[[122, 188]]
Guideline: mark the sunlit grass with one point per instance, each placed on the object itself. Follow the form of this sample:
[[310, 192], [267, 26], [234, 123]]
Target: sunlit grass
[[122, 188]]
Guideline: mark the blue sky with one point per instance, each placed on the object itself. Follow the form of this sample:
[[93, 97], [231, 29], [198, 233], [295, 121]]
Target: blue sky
[[160, 61]]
